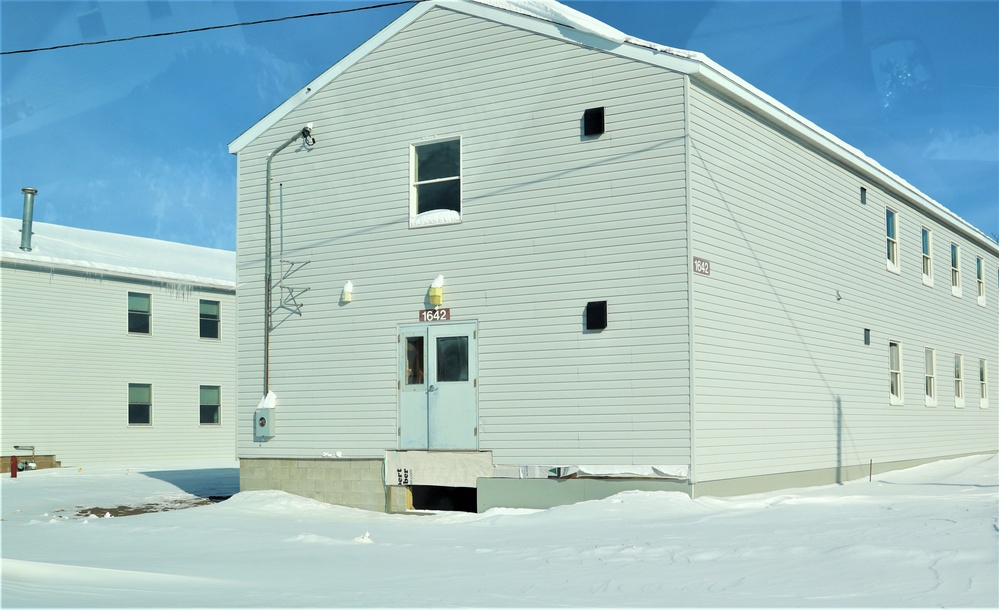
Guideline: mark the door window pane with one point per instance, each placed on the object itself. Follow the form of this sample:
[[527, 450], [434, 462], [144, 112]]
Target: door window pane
[[414, 361], [452, 359]]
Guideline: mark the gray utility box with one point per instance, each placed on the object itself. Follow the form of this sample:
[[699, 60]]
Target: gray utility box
[[263, 423]]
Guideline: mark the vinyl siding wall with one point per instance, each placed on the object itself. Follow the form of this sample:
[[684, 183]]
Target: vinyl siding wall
[[783, 379], [68, 359], [551, 220]]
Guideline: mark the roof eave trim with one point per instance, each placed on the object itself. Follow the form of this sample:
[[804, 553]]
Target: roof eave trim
[[737, 89], [326, 77]]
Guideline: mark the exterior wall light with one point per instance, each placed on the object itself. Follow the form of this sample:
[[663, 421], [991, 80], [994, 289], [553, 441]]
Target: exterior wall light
[[348, 292], [437, 291]]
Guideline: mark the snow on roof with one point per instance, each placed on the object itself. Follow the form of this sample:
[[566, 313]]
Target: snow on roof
[[59, 247]]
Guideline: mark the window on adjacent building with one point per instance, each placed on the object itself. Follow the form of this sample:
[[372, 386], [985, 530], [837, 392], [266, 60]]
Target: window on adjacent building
[[983, 382], [209, 319], [140, 404], [140, 313], [895, 371], [980, 278], [958, 380], [211, 405], [931, 376], [927, 257], [891, 235], [955, 269], [436, 182]]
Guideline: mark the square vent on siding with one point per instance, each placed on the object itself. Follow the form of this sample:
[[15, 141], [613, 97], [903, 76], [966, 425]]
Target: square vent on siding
[[593, 121]]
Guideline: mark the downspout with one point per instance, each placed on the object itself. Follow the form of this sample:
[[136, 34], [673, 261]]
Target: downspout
[[29, 211], [306, 134]]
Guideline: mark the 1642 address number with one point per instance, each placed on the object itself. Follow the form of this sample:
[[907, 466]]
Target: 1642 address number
[[435, 315]]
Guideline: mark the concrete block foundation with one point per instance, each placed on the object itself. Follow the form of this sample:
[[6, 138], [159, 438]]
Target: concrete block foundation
[[351, 482]]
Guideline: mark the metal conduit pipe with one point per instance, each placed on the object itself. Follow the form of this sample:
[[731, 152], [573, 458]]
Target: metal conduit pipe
[[306, 134]]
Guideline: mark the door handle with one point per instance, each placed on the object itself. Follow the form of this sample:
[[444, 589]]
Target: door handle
[[432, 388]]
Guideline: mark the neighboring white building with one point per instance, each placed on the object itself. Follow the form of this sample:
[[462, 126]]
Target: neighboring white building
[[115, 349], [534, 258]]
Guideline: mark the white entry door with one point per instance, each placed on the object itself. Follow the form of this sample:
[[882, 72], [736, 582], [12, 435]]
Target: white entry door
[[438, 388]]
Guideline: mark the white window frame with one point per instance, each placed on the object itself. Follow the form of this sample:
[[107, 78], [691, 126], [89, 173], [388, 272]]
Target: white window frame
[[202, 317], [959, 381], [216, 405], [980, 279], [147, 314], [148, 405], [891, 240], [983, 383], [926, 244], [955, 269], [434, 217], [895, 385], [930, 376]]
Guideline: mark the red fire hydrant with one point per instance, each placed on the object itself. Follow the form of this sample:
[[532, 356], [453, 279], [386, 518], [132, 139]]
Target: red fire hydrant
[[13, 466]]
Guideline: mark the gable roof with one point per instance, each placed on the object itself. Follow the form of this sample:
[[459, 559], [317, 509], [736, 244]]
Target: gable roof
[[550, 18], [97, 253]]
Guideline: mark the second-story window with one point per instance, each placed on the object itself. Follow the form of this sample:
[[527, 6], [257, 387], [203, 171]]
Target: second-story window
[[980, 279], [140, 313], [891, 236], [955, 269], [436, 181], [927, 237], [209, 319]]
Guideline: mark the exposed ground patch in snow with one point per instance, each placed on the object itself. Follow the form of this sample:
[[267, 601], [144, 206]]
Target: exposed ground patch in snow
[[928, 536]]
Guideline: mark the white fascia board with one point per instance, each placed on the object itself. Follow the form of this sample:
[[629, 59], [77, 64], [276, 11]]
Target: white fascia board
[[736, 88], [326, 77]]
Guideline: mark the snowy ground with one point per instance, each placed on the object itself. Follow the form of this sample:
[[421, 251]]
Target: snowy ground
[[928, 536]]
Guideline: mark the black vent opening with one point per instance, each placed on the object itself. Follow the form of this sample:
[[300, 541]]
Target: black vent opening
[[593, 121]]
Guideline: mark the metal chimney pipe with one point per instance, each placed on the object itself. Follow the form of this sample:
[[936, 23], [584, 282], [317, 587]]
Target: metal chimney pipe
[[29, 210]]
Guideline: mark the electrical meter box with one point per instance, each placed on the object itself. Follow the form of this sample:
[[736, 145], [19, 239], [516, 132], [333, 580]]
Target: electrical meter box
[[263, 423]]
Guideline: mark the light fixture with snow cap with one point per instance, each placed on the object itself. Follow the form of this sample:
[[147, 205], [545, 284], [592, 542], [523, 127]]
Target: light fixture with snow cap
[[437, 291], [347, 294]]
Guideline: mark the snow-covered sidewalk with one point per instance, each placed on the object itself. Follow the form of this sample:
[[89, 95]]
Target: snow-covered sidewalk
[[928, 536]]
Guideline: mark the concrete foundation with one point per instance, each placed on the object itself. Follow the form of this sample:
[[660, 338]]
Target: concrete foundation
[[354, 483]]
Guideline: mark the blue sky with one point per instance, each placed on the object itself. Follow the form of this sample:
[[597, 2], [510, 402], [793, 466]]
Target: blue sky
[[132, 137]]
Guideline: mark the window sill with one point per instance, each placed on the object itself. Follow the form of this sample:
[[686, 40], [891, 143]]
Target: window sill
[[895, 401], [931, 402], [956, 291], [890, 266], [434, 218], [928, 281], [958, 403], [981, 301], [984, 404]]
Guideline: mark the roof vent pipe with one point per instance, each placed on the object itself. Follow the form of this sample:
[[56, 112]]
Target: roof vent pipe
[[29, 210]]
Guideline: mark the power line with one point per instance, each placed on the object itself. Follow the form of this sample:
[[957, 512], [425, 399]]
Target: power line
[[209, 28]]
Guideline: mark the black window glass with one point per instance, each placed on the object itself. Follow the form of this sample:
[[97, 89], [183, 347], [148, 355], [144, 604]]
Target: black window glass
[[452, 359]]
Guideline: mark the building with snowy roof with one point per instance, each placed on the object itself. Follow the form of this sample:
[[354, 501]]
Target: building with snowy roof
[[115, 349], [522, 258]]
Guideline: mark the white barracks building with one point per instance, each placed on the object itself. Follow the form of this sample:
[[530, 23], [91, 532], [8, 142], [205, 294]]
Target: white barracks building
[[499, 256]]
